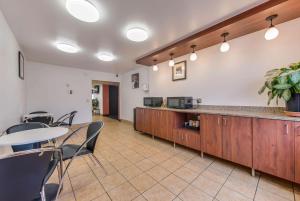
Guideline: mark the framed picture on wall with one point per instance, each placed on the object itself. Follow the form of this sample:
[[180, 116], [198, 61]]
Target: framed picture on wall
[[179, 71], [21, 65], [135, 80], [96, 89]]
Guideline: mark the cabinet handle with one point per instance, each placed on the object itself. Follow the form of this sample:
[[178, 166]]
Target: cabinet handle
[[286, 129], [297, 133], [225, 121], [218, 120]]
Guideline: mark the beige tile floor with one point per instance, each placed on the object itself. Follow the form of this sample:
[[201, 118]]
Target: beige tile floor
[[140, 168]]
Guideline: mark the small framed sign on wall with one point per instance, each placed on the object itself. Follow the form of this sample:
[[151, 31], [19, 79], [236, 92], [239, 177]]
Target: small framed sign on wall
[[21, 65], [135, 80], [179, 71]]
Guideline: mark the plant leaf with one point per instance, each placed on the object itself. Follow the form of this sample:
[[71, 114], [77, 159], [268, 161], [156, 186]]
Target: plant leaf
[[262, 89], [295, 77], [282, 79], [282, 86], [271, 95], [297, 88], [286, 95]]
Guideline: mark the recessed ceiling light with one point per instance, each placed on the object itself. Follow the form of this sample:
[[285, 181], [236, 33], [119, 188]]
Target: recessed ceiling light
[[137, 34], [105, 56], [82, 10], [67, 47]]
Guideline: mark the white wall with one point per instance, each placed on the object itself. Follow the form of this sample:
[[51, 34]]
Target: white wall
[[12, 89], [131, 98], [232, 78], [47, 89]]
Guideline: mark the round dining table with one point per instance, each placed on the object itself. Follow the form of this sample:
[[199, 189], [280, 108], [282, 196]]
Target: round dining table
[[32, 136]]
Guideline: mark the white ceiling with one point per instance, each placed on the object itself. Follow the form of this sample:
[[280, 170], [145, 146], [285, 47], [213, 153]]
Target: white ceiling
[[37, 24]]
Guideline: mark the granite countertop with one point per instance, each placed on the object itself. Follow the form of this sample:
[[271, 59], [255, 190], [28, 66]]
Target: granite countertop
[[243, 111]]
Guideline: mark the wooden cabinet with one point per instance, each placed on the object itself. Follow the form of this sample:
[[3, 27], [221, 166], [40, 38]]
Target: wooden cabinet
[[139, 119], [211, 134], [270, 146], [273, 147], [147, 121], [164, 123], [188, 138], [143, 120], [237, 140], [297, 152], [159, 123]]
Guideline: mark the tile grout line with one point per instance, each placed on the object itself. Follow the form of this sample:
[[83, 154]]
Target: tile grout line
[[194, 180], [215, 197], [256, 187], [98, 181]]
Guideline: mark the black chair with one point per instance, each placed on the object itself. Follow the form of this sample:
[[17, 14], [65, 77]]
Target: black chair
[[65, 120], [23, 127], [38, 112], [24, 175], [48, 120], [87, 147]]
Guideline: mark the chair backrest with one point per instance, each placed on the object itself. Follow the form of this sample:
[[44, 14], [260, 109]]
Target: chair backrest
[[22, 174], [92, 134], [72, 115], [67, 117], [45, 119], [38, 112], [23, 127]]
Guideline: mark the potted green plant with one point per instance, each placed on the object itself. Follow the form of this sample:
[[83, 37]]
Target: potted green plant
[[284, 83]]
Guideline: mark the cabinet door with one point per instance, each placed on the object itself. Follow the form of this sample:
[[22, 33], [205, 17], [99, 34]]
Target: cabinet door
[[297, 152], [193, 140], [155, 122], [273, 147], [139, 119], [169, 125], [147, 124], [178, 137], [211, 134], [237, 140]]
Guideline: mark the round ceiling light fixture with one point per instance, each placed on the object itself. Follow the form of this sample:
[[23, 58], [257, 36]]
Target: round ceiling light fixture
[[272, 31], [105, 56], [137, 34], [225, 47], [82, 10], [65, 47]]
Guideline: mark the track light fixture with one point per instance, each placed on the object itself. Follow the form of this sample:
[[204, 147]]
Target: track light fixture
[[193, 56], [171, 62], [272, 31], [155, 66], [225, 45]]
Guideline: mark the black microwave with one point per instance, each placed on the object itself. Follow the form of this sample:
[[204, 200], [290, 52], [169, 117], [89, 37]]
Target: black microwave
[[180, 102], [153, 101]]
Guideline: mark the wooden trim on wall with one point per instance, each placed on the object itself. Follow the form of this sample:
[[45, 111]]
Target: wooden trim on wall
[[242, 24]]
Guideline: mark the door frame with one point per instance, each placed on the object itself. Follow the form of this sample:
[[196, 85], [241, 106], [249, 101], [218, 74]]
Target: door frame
[[110, 83]]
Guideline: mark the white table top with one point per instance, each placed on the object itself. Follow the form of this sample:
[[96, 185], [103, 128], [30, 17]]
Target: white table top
[[32, 136]]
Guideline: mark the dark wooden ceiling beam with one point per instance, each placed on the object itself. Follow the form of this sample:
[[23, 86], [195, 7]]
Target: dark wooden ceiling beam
[[242, 24]]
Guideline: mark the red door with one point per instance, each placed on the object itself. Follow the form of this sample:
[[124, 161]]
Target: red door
[[105, 99]]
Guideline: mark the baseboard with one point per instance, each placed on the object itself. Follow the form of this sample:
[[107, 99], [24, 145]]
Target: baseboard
[[126, 121]]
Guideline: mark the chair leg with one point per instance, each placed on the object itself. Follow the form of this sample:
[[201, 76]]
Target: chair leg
[[43, 195], [94, 158]]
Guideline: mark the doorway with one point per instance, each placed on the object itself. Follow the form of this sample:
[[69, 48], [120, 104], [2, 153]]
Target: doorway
[[105, 99]]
